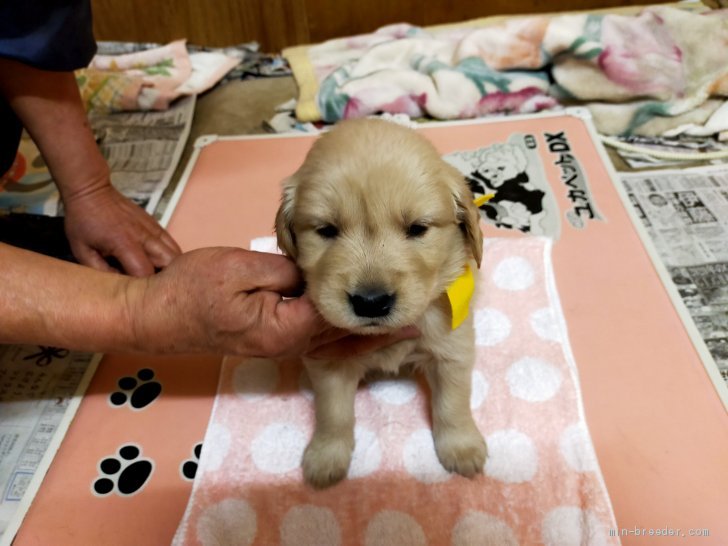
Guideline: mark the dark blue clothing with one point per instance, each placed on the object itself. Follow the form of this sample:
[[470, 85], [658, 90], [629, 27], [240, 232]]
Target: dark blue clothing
[[47, 34], [10, 132]]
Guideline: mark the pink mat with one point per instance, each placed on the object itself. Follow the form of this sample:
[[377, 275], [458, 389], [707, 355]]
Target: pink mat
[[658, 426], [542, 482]]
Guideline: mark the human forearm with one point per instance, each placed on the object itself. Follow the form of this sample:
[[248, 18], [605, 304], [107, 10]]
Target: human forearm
[[50, 107], [100, 222], [213, 300], [50, 302]]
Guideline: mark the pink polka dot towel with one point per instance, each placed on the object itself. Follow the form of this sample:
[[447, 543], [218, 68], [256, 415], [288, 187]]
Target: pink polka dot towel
[[541, 483]]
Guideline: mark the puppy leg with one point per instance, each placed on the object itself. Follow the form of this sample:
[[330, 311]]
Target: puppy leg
[[458, 442], [327, 457]]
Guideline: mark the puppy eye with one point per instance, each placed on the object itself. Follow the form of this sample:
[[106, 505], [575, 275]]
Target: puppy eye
[[416, 230], [328, 231]]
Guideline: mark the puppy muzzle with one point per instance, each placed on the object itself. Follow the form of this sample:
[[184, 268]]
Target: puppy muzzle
[[372, 303]]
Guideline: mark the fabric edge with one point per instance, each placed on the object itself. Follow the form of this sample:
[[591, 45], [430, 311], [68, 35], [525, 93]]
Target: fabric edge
[[555, 303], [180, 537], [303, 72]]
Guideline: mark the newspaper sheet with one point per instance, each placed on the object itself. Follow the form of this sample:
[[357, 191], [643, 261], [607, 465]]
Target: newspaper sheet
[[40, 388], [685, 145], [142, 149], [685, 213]]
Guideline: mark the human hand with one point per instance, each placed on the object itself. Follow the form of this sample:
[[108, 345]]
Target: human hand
[[227, 300], [335, 344], [100, 223]]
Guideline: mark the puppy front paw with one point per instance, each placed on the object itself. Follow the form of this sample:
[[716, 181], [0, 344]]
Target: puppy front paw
[[326, 461], [461, 450]]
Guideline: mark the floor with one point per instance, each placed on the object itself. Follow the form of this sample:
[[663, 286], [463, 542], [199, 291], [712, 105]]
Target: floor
[[235, 108]]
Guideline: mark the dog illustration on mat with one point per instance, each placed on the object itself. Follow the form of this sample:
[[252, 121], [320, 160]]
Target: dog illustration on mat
[[521, 197]]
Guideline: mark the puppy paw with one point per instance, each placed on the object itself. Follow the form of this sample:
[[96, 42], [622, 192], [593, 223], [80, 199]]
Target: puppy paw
[[326, 461], [461, 450]]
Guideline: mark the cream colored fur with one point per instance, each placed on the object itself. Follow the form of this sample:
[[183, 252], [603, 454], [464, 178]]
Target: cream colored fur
[[369, 181]]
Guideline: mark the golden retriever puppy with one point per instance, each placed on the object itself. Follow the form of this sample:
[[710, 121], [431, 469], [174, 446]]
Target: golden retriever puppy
[[381, 226]]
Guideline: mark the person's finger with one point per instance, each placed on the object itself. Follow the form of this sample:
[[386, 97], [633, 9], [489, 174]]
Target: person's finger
[[168, 240], [134, 260], [88, 256], [158, 233], [355, 345], [329, 335], [298, 315], [280, 328], [159, 252], [273, 272]]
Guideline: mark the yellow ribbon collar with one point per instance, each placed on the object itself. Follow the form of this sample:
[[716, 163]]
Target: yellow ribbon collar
[[461, 291]]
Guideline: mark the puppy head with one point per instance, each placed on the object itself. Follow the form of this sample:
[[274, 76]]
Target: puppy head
[[379, 224]]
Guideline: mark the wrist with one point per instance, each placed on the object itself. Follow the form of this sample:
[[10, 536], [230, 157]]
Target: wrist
[[151, 311], [137, 314], [108, 319], [94, 181]]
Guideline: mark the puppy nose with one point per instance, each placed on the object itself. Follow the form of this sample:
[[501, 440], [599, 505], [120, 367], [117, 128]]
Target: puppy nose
[[372, 303]]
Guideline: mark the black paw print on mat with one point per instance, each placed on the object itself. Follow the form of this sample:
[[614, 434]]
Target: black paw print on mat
[[188, 468], [139, 392], [124, 474]]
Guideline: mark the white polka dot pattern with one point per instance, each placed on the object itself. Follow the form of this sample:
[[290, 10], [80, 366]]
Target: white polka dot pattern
[[231, 521], [396, 392], [479, 529], [572, 526], [545, 325], [218, 435], [577, 449], [512, 456], [367, 454], [278, 448], [310, 525], [265, 244], [479, 390], [491, 327], [420, 459], [391, 528], [514, 273], [533, 379], [540, 484]]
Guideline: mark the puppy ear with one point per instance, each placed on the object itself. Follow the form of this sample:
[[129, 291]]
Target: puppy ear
[[284, 218], [468, 216]]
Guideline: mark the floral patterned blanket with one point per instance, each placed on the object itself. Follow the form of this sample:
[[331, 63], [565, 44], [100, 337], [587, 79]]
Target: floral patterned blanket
[[149, 79], [634, 69]]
